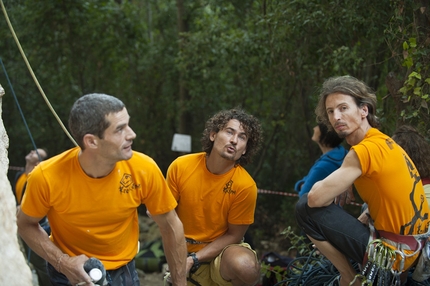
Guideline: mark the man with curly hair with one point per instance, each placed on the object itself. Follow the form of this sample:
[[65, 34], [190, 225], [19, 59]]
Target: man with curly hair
[[216, 200]]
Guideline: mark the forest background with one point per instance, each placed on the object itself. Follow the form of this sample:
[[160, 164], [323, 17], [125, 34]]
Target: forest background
[[176, 63]]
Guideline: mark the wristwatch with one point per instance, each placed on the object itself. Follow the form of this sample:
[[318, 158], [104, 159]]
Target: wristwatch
[[196, 263]]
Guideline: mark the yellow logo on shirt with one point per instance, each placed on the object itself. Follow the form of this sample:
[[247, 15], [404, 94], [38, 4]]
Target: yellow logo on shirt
[[127, 184], [227, 188]]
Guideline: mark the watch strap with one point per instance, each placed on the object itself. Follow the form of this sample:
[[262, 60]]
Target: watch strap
[[196, 263]]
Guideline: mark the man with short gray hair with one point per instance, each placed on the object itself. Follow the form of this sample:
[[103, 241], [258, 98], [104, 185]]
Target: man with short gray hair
[[91, 194]]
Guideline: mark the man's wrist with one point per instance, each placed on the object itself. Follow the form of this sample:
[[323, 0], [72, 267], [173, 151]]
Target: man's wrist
[[59, 260], [196, 263]]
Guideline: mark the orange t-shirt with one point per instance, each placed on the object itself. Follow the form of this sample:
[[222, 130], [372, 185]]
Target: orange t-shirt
[[208, 202], [391, 186], [19, 187], [96, 217]]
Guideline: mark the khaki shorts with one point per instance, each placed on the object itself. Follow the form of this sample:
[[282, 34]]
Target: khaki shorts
[[209, 272]]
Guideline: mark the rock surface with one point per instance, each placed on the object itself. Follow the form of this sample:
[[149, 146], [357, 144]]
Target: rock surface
[[14, 269]]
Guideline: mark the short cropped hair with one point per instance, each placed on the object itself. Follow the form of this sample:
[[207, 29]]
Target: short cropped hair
[[89, 115], [358, 90], [249, 123]]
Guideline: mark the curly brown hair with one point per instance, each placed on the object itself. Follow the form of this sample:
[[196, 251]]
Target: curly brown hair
[[250, 124], [417, 147]]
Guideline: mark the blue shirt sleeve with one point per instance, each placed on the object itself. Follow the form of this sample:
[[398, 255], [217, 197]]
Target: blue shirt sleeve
[[297, 186], [318, 172], [324, 166]]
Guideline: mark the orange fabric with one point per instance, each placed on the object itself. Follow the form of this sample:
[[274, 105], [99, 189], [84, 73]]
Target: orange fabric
[[96, 217], [208, 202], [19, 187], [396, 204]]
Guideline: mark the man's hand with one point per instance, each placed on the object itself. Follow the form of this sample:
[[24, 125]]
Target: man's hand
[[73, 268], [364, 217], [345, 198]]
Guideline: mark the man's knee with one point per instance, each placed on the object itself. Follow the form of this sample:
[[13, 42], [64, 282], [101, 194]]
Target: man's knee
[[301, 209], [239, 263], [302, 203]]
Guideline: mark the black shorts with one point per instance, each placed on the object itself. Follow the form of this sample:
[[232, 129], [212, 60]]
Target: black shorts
[[333, 224]]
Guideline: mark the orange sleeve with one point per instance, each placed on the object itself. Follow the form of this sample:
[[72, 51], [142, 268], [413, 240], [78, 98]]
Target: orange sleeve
[[19, 187]]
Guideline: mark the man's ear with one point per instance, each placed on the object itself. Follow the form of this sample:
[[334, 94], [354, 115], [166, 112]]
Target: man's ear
[[364, 110], [90, 141], [212, 136]]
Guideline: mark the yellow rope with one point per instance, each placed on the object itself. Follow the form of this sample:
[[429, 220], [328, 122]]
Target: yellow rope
[[34, 77]]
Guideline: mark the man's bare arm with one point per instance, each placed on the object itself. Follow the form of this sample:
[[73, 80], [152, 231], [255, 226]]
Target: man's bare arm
[[234, 234], [37, 239], [324, 192], [172, 233]]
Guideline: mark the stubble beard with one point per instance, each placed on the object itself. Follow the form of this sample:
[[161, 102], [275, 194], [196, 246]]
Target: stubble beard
[[227, 156], [342, 134]]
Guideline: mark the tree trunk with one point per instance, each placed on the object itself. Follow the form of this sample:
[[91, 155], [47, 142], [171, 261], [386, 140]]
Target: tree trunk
[[184, 116]]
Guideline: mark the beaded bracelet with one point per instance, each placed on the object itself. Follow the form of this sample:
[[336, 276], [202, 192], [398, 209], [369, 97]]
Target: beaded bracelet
[[59, 261]]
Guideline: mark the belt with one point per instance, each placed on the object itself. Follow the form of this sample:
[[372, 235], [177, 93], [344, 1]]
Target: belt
[[192, 241]]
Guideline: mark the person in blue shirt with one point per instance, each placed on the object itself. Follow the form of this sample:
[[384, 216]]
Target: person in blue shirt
[[331, 159]]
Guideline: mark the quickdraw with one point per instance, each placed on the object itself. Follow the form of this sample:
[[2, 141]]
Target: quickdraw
[[379, 266]]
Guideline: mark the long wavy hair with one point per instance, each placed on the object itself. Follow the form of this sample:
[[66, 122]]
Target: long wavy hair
[[358, 90]]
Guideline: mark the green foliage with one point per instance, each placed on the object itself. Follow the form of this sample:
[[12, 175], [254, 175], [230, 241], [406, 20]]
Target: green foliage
[[81, 47], [416, 88], [278, 271], [298, 242], [268, 57], [408, 40]]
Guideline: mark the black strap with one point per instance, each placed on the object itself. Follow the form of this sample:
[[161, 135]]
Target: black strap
[[192, 280]]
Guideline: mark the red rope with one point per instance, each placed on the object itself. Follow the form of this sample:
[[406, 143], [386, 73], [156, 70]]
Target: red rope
[[261, 191], [16, 168]]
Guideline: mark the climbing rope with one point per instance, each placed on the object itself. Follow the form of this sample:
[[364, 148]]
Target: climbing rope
[[311, 270], [20, 111], [34, 76], [316, 270]]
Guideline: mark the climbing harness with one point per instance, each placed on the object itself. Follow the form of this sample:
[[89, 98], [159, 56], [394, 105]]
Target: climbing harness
[[386, 258], [422, 269], [380, 261]]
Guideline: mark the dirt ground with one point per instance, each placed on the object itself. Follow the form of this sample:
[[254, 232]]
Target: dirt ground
[[151, 279]]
